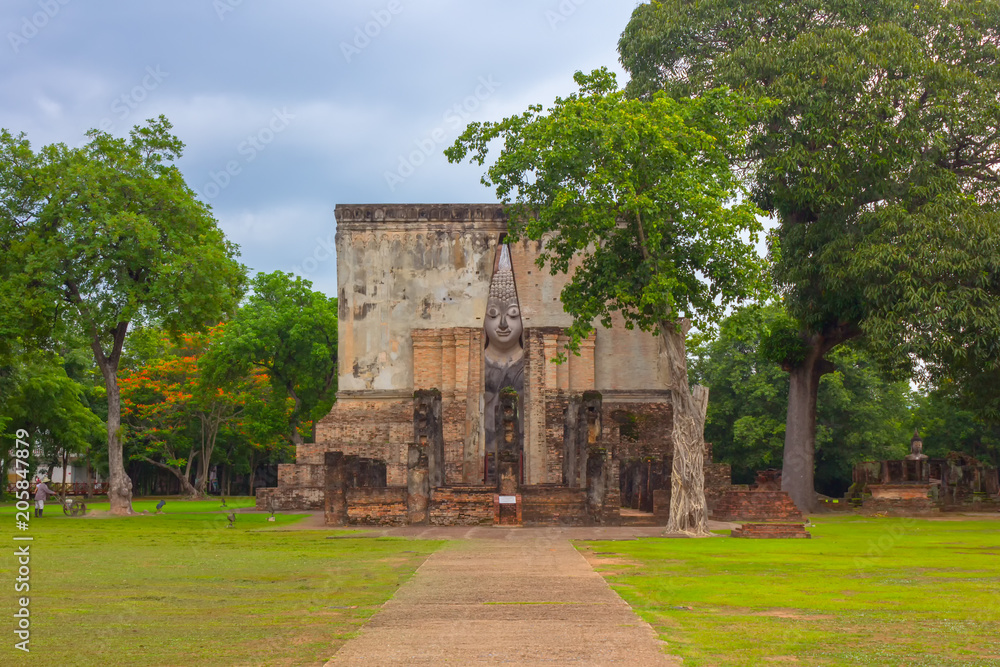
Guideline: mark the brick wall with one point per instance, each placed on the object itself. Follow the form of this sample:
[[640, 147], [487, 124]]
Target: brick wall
[[899, 506], [462, 506], [718, 481], [554, 506], [638, 426], [771, 531], [375, 428], [377, 507], [291, 498], [756, 506], [292, 474]]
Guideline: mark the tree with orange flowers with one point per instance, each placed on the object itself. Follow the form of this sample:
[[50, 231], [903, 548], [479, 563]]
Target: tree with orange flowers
[[176, 412]]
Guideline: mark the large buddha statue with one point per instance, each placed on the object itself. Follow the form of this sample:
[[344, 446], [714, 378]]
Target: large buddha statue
[[504, 352]]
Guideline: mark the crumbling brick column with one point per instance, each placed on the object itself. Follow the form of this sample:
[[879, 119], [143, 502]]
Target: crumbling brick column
[[417, 486], [597, 483], [335, 488], [582, 430], [509, 445], [428, 432]]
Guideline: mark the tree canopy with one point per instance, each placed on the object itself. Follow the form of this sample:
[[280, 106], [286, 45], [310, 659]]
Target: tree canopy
[[290, 331], [878, 154], [96, 238], [176, 412], [44, 395]]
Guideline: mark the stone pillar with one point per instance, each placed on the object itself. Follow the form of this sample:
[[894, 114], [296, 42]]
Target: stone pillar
[[582, 431], [597, 483], [509, 446], [462, 341], [472, 463], [508, 475], [611, 515], [417, 486], [335, 488], [428, 432], [426, 358], [573, 463], [551, 349]]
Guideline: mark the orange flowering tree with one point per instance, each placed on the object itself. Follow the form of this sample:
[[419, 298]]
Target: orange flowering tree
[[175, 412]]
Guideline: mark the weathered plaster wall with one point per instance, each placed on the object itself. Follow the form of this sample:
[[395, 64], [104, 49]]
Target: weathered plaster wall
[[407, 267], [429, 267]]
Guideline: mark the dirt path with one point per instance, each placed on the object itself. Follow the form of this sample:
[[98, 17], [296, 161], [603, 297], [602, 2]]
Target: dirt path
[[523, 597]]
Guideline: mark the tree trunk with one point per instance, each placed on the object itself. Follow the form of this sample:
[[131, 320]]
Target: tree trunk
[[119, 484], [182, 476], [798, 469], [798, 466], [688, 509]]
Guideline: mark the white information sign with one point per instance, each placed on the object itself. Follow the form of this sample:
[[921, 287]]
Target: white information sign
[[508, 500]]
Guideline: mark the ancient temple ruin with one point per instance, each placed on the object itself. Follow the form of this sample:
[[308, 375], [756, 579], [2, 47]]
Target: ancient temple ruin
[[451, 409]]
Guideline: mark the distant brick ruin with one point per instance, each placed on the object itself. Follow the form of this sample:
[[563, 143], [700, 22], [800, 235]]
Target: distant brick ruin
[[451, 410], [921, 485]]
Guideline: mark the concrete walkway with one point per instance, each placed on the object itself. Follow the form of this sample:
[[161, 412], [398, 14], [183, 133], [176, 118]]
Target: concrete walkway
[[505, 596]]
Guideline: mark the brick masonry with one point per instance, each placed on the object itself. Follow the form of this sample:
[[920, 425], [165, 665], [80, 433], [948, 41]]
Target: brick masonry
[[290, 498], [771, 531], [377, 507], [462, 506], [554, 506], [756, 506]]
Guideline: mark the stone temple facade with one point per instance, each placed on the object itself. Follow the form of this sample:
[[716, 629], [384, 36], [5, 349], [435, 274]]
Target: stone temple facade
[[451, 409]]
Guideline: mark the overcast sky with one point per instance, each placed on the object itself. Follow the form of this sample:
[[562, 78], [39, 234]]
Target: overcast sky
[[290, 108]]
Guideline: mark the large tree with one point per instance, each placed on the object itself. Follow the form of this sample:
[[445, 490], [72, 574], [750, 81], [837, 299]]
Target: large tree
[[96, 238], [878, 157], [637, 200], [288, 330], [860, 415]]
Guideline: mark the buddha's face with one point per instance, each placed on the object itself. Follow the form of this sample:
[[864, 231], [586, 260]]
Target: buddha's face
[[503, 325]]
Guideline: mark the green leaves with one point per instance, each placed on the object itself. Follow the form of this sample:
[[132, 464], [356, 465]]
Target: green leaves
[[635, 198], [112, 230], [879, 156], [860, 415], [289, 331]]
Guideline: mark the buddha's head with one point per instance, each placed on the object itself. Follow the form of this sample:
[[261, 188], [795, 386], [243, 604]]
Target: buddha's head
[[503, 315]]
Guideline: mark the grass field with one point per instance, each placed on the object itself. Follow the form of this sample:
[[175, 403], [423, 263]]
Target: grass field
[[182, 589], [879, 591]]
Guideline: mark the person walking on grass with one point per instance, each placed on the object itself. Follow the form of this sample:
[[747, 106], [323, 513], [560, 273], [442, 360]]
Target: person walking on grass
[[42, 493]]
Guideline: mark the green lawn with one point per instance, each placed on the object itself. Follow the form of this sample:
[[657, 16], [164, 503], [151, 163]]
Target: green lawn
[[876, 591], [182, 589]]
